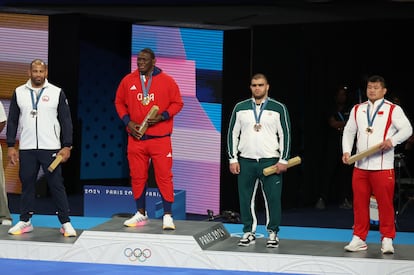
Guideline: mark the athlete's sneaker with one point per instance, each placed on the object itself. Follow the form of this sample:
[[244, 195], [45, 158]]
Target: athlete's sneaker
[[387, 247], [137, 220], [273, 240], [167, 222], [247, 239], [67, 230], [356, 244], [21, 227]]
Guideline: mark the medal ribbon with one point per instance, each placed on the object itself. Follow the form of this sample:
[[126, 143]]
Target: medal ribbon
[[257, 117], [145, 89], [341, 116], [371, 121], [35, 100]]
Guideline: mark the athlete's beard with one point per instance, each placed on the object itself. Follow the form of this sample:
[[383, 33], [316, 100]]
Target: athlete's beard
[[37, 82], [146, 72], [259, 97]]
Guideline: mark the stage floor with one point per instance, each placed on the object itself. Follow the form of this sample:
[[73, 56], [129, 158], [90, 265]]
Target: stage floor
[[202, 244]]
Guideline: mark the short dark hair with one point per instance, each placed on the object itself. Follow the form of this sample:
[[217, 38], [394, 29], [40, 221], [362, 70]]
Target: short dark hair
[[377, 78], [258, 76], [149, 51], [38, 62]]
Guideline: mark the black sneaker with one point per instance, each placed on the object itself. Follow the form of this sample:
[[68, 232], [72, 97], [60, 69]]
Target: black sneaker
[[273, 240], [247, 239], [346, 205], [320, 204]]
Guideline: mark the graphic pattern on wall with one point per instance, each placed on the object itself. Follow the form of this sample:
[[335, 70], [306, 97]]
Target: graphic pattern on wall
[[184, 54], [193, 57], [23, 37]]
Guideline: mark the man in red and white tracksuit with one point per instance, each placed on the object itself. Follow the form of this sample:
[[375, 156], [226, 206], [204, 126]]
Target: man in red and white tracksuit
[[376, 121], [137, 93]]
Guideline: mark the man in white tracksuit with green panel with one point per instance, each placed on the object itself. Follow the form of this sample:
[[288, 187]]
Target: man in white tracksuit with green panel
[[259, 136]]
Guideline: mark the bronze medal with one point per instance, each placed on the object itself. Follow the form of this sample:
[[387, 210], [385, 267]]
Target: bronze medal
[[369, 130], [257, 127]]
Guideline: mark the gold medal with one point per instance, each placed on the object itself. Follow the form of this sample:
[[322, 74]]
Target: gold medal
[[145, 101], [257, 127], [369, 130]]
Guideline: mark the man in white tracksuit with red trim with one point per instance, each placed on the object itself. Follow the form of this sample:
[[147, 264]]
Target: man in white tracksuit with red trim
[[376, 121]]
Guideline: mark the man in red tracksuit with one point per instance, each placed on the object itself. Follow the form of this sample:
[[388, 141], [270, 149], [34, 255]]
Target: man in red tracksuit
[[136, 94]]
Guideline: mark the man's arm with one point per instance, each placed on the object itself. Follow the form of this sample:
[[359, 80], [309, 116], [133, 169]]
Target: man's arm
[[12, 121], [65, 120]]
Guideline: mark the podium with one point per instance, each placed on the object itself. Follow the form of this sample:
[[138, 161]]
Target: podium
[[107, 201]]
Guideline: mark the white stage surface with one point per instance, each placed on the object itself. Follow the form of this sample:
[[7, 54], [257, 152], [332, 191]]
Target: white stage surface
[[200, 244]]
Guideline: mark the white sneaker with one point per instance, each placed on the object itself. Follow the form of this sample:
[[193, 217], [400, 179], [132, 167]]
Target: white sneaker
[[6, 222], [167, 222], [136, 220], [247, 239], [356, 245], [67, 230], [273, 240], [21, 227], [387, 247]]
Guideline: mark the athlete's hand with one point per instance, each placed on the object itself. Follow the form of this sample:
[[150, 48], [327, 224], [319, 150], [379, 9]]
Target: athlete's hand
[[235, 168], [13, 155]]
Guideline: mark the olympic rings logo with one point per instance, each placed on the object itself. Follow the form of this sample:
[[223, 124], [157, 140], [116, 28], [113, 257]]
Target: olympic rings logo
[[137, 254]]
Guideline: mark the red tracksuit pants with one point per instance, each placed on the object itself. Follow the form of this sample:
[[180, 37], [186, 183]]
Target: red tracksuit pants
[[159, 151], [380, 183]]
